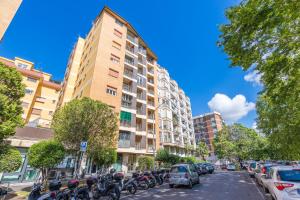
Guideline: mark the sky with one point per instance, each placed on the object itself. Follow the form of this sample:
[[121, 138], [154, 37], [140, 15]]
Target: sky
[[183, 34]]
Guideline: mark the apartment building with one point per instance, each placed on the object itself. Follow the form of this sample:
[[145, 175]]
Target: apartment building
[[41, 93], [115, 66], [8, 9], [206, 128], [175, 116]]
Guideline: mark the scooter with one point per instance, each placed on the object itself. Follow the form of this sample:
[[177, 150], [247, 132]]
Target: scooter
[[126, 184], [141, 181]]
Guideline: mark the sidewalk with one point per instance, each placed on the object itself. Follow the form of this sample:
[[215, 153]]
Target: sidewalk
[[17, 191]]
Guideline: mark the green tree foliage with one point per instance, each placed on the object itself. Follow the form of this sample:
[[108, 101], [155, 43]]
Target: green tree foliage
[[87, 120], [10, 160], [105, 157], [238, 143], [45, 154], [263, 35], [145, 163], [167, 158], [190, 159], [11, 91], [202, 150]]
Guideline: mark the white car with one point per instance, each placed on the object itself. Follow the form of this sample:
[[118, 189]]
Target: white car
[[283, 182], [231, 167]]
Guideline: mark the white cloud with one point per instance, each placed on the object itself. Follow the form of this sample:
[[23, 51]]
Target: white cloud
[[253, 77], [254, 126], [231, 109]]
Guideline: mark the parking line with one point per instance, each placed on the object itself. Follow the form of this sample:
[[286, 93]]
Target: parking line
[[261, 194]]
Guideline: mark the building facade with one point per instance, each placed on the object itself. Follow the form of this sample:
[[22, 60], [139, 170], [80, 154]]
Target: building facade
[[175, 116], [8, 9], [206, 128], [115, 66], [41, 93]]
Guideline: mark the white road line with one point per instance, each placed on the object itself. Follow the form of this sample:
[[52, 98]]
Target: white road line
[[261, 194]]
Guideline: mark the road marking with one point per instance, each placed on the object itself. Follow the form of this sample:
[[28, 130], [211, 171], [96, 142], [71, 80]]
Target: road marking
[[261, 194]]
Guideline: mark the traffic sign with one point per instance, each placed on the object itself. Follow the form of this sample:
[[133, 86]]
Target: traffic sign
[[83, 146]]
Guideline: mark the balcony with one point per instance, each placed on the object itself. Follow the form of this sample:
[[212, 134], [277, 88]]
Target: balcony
[[142, 51], [127, 88], [124, 144], [151, 91], [150, 61], [151, 71], [151, 81], [131, 39], [141, 96], [125, 123], [151, 103], [130, 49], [138, 146], [128, 73], [129, 60], [140, 111], [126, 104], [151, 148], [142, 61], [139, 127], [151, 116], [141, 83]]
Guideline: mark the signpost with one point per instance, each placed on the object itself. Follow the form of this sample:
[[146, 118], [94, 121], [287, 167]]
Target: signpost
[[83, 146]]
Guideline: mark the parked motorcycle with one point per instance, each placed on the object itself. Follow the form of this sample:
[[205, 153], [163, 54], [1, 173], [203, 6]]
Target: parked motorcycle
[[126, 184], [3, 193], [141, 181], [74, 192], [152, 179], [158, 177]]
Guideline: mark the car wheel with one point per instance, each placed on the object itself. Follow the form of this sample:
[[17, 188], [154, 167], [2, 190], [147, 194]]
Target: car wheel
[[190, 184], [171, 185], [265, 189]]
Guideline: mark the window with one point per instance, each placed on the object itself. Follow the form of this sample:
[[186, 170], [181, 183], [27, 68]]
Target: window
[[117, 33], [21, 65], [25, 104], [113, 73], [36, 111], [111, 91], [116, 45], [119, 22], [50, 112], [115, 59], [28, 91], [31, 79]]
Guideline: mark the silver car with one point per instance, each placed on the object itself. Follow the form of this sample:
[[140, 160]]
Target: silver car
[[183, 174]]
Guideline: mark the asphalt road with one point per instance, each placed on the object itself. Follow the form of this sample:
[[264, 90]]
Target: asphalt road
[[217, 186]]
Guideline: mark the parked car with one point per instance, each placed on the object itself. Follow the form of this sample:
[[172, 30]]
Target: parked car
[[183, 174], [261, 171], [202, 169], [283, 182], [210, 167], [231, 167], [251, 169]]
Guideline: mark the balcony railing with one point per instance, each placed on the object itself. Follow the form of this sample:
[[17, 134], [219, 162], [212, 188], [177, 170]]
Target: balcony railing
[[140, 111], [141, 83], [139, 127], [138, 146], [125, 123], [127, 88], [129, 61], [131, 50], [142, 51], [151, 103], [151, 81], [126, 104], [151, 91], [141, 96], [151, 71], [124, 143], [151, 116], [131, 39], [142, 61], [128, 73], [151, 148]]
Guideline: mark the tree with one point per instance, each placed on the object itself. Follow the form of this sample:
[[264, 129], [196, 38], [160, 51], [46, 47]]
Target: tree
[[105, 157], [190, 159], [202, 150], [162, 155], [45, 154], [10, 160], [11, 91], [263, 36], [145, 163], [237, 143], [86, 120]]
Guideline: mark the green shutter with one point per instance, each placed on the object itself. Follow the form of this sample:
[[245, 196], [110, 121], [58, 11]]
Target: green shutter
[[125, 116]]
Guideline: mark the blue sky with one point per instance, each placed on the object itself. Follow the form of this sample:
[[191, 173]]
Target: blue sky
[[183, 34]]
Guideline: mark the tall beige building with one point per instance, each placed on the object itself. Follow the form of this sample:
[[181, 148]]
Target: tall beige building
[[41, 93], [114, 65], [8, 9]]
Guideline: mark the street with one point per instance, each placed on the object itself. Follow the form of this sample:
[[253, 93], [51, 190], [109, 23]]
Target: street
[[217, 186]]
